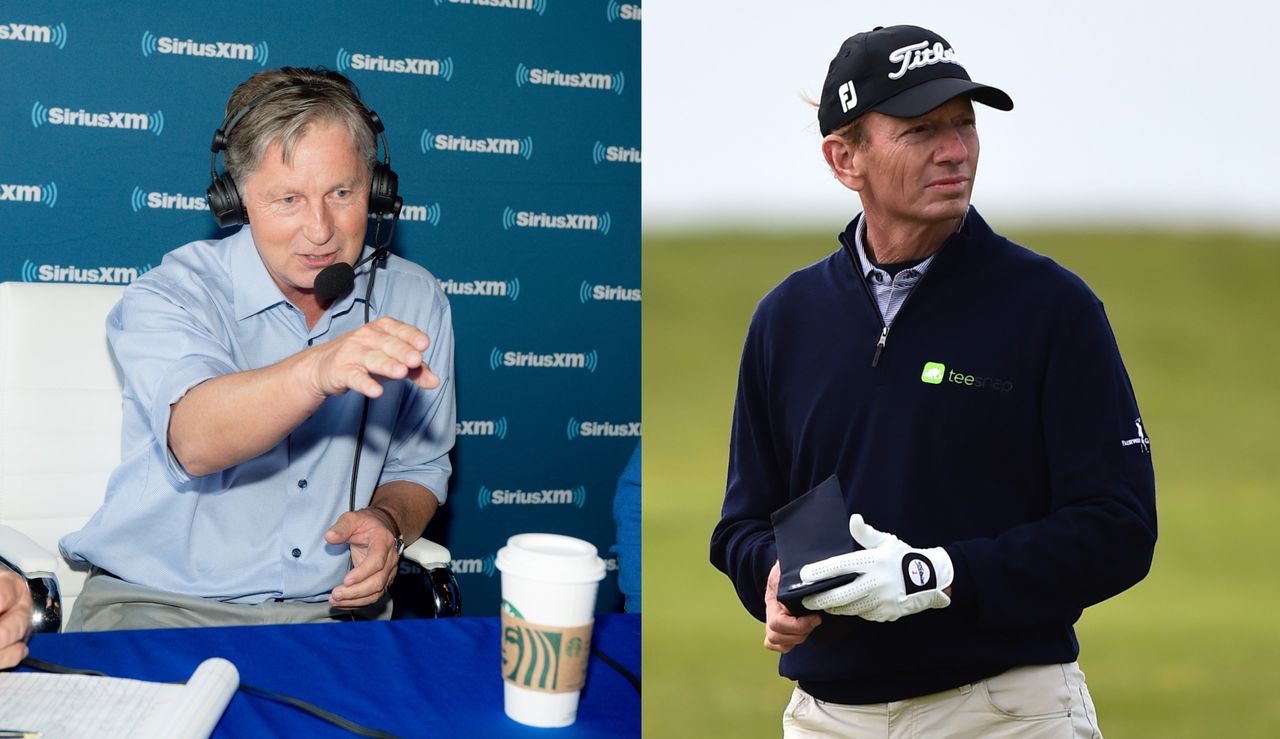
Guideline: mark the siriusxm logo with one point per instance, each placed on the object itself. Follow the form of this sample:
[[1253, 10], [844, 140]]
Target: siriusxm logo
[[493, 427], [99, 275], [165, 201], [588, 80], [429, 213], [588, 292], [153, 44], [483, 288], [571, 221], [588, 361], [616, 11], [153, 122], [576, 497], [601, 153], [578, 428], [449, 142], [54, 35], [537, 6], [407, 65], [45, 194], [486, 566]]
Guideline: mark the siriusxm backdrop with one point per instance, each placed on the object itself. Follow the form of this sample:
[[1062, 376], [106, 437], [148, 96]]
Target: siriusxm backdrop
[[515, 128]]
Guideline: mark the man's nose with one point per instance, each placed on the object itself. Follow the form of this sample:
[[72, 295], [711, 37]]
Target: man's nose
[[952, 149], [319, 226]]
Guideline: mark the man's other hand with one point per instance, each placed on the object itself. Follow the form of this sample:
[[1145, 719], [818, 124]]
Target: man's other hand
[[385, 348], [15, 618], [373, 557], [783, 631]]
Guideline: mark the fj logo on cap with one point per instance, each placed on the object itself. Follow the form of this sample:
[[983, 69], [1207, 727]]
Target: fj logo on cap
[[919, 55], [848, 96]]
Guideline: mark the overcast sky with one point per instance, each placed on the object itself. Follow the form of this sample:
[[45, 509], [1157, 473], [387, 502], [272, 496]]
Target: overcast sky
[[1124, 111]]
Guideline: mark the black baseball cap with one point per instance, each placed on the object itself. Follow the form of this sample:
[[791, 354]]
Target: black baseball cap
[[902, 71]]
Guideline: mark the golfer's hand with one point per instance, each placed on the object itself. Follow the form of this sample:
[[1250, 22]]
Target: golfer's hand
[[358, 359], [782, 631], [894, 580]]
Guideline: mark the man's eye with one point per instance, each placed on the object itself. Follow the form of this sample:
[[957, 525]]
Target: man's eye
[[342, 194], [288, 200]]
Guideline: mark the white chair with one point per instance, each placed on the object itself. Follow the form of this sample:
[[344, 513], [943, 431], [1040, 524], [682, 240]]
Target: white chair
[[60, 439]]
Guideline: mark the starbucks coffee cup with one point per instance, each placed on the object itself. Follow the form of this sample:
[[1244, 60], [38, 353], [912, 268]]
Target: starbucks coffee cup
[[549, 585]]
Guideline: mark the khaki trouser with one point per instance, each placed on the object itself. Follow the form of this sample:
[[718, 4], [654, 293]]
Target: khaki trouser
[[107, 603], [1025, 702]]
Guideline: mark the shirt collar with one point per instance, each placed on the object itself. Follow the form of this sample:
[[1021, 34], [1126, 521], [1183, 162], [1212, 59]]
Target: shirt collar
[[255, 291], [869, 267]]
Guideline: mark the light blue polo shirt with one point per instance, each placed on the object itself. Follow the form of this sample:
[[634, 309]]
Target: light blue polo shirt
[[255, 531]]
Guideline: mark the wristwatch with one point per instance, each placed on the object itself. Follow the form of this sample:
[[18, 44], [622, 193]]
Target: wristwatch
[[395, 528]]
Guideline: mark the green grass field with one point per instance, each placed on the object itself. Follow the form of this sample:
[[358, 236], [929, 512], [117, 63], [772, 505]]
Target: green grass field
[[1193, 651]]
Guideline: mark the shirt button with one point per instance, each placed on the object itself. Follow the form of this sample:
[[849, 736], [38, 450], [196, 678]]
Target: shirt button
[[302, 484], [296, 552]]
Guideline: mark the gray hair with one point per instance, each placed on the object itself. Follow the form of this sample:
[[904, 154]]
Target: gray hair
[[285, 103]]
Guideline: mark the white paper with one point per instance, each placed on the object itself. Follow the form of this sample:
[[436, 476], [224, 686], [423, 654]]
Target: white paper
[[74, 706]]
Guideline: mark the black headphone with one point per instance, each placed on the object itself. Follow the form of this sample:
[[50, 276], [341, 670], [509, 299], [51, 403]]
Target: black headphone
[[224, 197]]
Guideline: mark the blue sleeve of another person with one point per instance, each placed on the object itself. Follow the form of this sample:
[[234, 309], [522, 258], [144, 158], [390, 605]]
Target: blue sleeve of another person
[[626, 512]]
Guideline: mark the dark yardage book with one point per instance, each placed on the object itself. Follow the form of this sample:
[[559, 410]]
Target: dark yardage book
[[808, 529]]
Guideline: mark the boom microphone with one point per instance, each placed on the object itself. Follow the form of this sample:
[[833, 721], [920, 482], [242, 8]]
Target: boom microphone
[[337, 279]]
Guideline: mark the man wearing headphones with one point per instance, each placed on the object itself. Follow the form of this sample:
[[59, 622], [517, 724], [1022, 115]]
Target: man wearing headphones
[[249, 392]]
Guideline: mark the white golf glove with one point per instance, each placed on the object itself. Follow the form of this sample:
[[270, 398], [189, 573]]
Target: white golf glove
[[895, 580]]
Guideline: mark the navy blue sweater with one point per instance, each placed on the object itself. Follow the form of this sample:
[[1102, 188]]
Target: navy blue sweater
[[999, 423]]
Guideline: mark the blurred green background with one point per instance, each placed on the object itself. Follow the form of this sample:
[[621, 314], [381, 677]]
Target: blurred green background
[[1192, 651]]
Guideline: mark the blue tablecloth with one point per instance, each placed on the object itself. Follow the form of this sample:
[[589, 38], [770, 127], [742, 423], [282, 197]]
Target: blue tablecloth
[[427, 678]]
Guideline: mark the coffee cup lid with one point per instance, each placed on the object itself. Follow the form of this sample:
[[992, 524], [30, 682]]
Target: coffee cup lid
[[551, 557]]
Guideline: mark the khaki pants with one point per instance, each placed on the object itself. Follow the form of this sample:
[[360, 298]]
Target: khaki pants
[[107, 603], [1032, 702]]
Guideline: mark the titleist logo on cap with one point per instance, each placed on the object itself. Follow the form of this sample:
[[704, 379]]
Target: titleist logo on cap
[[915, 56]]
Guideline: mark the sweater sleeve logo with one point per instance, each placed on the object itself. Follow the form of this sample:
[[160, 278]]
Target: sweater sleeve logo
[[1141, 439]]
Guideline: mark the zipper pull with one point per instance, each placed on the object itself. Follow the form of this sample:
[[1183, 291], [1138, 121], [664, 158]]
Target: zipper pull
[[884, 336]]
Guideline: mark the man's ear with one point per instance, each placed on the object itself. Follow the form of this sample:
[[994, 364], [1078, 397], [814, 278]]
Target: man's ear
[[845, 160]]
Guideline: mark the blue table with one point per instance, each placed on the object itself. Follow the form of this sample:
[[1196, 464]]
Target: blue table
[[427, 678]]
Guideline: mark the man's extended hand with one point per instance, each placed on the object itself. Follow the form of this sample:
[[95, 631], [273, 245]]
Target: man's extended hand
[[15, 618], [894, 580], [782, 631], [383, 348], [373, 557]]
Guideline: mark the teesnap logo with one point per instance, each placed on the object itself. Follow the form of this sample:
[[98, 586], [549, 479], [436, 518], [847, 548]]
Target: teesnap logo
[[614, 81], [483, 288], [153, 44], [165, 201], [571, 221], [430, 141], [576, 497], [52, 35], [625, 155], [936, 373], [537, 6], [32, 272], [588, 292], [616, 11], [40, 115], [559, 360], [491, 427], [406, 65], [578, 428], [43, 194]]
